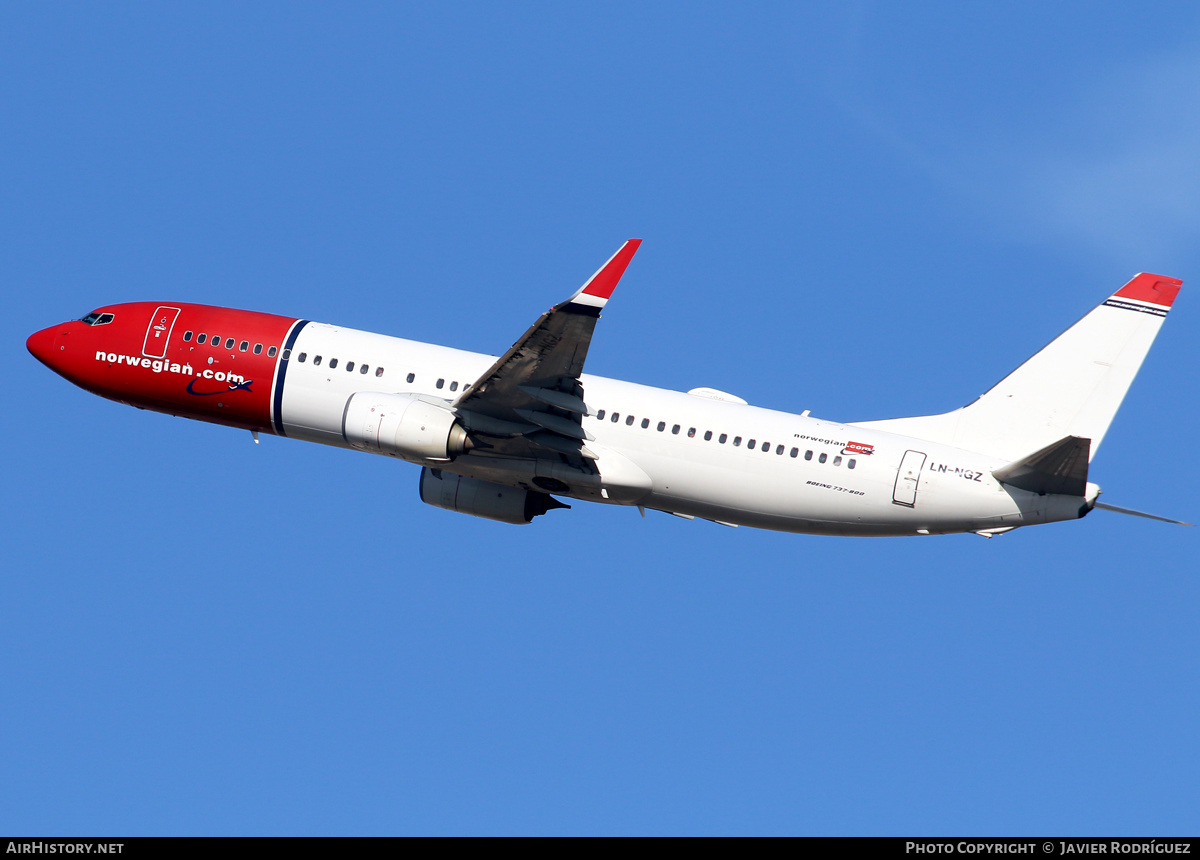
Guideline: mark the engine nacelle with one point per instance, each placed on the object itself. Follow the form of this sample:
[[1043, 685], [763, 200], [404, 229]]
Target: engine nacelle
[[402, 426], [483, 498]]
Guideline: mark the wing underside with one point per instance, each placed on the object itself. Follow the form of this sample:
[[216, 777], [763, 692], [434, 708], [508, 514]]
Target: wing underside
[[530, 403]]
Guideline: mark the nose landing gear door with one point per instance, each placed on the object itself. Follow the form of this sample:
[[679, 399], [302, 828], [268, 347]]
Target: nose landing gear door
[[907, 477], [158, 332]]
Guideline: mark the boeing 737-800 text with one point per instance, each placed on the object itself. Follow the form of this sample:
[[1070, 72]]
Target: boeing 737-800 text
[[502, 438]]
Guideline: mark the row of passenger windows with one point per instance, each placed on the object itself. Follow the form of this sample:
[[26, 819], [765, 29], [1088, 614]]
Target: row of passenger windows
[[363, 368], [751, 444], [214, 341]]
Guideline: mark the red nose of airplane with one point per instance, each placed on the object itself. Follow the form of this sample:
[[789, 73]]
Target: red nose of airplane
[[41, 345]]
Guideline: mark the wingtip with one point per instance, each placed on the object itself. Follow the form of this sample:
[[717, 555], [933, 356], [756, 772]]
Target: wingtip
[[600, 286], [1155, 289]]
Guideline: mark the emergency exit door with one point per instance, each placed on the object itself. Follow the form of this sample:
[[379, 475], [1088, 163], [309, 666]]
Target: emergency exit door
[[907, 478], [158, 332]]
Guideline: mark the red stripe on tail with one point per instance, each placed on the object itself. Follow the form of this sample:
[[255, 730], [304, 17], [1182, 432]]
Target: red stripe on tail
[[1155, 289]]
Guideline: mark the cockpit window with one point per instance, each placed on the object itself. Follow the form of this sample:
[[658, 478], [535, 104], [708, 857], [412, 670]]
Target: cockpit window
[[97, 318]]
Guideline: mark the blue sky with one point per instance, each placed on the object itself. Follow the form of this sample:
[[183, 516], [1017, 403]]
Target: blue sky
[[863, 209]]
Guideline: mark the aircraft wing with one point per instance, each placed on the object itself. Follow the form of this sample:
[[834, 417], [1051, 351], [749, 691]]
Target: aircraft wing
[[530, 402]]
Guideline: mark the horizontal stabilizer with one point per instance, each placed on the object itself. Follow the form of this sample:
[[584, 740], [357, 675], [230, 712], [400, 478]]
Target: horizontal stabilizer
[[1134, 513], [1060, 469]]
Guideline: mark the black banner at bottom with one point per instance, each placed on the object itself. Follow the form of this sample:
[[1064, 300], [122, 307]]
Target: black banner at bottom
[[1043, 846]]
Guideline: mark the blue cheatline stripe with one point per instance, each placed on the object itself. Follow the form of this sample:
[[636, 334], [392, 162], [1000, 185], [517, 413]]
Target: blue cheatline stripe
[[281, 372]]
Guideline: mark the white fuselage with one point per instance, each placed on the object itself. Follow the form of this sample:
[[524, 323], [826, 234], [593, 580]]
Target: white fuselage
[[803, 474]]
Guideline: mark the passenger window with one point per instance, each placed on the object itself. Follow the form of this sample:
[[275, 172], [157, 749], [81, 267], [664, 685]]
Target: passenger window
[[629, 420], [752, 444], [333, 364], [258, 349], [412, 377], [364, 369], [300, 358], [454, 386], [662, 425], [615, 417], [737, 440], [823, 457], [707, 435], [187, 335], [778, 449], [201, 338], [645, 423], [215, 340], [808, 455], [600, 415], [286, 353], [837, 461], [793, 453], [243, 346], [317, 360], [691, 432], [722, 438], [440, 383], [850, 463], [270, 352], [229, 343], [378, 372], [349, 366], [675, 430]]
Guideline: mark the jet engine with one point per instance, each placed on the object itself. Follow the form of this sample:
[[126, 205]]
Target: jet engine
[[400, 425], [483, 498]]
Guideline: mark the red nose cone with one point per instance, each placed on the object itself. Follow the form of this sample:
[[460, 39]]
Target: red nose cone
[[41, 345]]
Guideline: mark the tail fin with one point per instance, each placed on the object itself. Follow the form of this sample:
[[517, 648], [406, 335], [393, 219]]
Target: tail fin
[[1073, 387]]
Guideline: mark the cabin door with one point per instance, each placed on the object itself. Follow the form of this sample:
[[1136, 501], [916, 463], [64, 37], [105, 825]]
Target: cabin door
[[907, 477], [158, 332]]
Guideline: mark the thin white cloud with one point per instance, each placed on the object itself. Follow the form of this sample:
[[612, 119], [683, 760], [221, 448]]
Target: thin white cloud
[[1115, 169], [1131, 182]]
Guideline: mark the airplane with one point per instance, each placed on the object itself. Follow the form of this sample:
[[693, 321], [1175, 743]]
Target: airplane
[[508, 438]]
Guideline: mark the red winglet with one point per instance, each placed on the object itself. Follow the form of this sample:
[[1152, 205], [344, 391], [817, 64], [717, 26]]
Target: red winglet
[[1155, 289], [602, 284]]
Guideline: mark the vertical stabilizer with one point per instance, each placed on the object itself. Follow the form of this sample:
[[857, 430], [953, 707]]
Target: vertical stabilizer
[[1073, 387]]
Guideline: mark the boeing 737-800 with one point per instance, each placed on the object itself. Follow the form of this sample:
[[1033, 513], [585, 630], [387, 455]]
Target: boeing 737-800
[[506, 438]]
